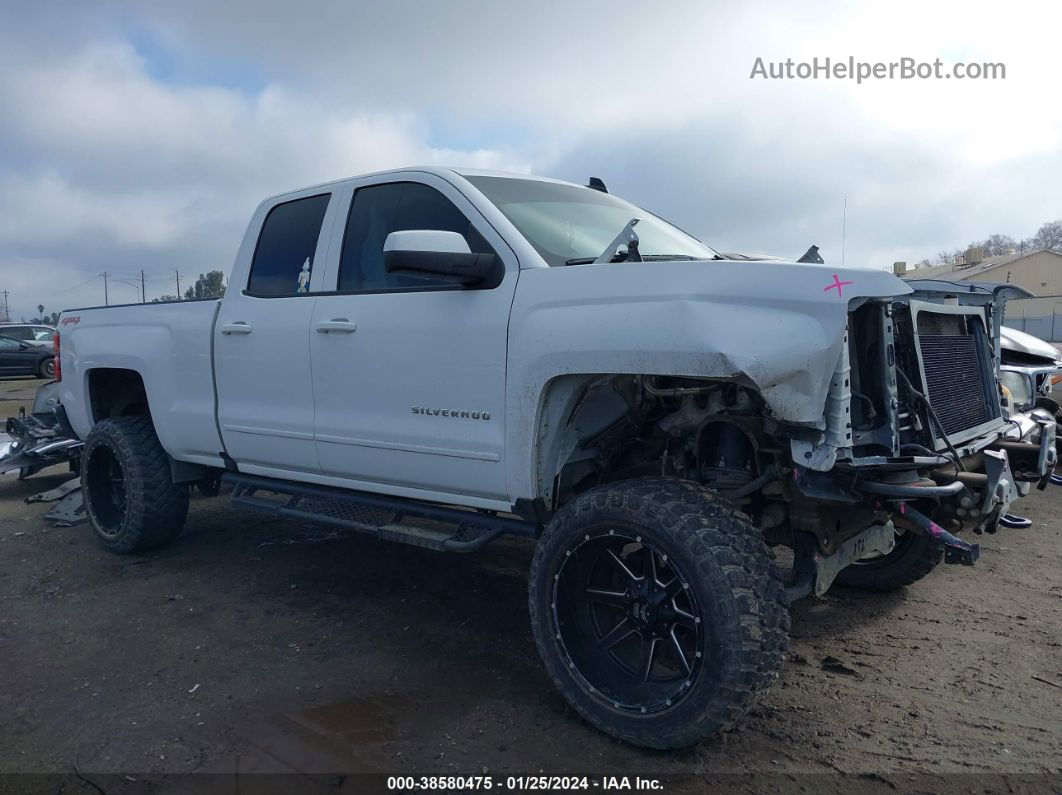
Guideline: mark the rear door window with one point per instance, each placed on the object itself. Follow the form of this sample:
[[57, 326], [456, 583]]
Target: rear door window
[[283, 258]]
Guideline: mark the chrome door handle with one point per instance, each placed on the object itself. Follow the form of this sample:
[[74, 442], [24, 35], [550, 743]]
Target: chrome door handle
[[236, 327], [340, 325]]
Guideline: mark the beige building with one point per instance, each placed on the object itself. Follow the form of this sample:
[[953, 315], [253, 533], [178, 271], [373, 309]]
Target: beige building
[[1039, 272]]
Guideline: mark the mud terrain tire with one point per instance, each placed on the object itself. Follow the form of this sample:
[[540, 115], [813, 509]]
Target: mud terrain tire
[[725, 575], [914, 556], [130, 498]]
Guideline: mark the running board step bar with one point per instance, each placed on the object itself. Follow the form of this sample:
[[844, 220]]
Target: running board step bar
[[439, 527]]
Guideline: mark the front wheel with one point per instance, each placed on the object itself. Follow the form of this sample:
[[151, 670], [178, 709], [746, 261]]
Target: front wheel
[[130, 497], [47, 368], [657, 610]]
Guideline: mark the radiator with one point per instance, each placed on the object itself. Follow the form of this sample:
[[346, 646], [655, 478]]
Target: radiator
[[956, 376]]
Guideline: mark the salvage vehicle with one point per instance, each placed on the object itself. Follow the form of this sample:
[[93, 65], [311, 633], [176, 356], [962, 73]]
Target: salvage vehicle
[[39, 440], [440, 357], [1030, 369]]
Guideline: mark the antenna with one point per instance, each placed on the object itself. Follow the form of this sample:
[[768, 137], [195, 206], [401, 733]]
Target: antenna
[[844, 224]]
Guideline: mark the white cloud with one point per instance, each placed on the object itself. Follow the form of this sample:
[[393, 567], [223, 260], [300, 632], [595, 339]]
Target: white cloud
[[142, 135], [117, 167]]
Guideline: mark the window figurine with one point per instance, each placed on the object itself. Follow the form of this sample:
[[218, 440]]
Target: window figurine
[[304, 277]]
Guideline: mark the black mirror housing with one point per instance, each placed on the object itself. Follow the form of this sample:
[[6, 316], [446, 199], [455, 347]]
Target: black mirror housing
[[467, 270]]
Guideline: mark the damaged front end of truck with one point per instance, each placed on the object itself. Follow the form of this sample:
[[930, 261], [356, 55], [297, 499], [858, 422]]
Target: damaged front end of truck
[[917, 437], [871, 437]]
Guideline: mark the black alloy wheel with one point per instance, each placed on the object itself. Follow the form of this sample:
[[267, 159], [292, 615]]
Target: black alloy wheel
[[629, 624], [105, 485]]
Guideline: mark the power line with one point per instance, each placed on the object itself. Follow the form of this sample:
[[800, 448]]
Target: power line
[[134, 285], [76, 286]]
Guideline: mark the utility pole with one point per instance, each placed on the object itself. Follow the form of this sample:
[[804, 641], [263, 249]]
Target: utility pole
[[143, 289], [106, 298], [178, 274], [7, 312]]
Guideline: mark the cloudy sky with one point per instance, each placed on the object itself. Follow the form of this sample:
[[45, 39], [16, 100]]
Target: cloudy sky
[[137, 135]]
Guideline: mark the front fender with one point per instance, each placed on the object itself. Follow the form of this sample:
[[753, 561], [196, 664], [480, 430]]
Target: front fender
[[774, 326]]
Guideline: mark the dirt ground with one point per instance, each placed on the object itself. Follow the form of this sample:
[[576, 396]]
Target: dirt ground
[[256, 645]]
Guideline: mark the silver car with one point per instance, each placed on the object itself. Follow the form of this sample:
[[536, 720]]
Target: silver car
[[33, 333]]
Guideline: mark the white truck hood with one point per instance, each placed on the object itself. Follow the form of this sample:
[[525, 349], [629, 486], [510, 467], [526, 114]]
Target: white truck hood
[[1020, 342], [775, 324]]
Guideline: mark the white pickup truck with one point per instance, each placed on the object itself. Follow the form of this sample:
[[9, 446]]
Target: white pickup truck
[[442, 356]]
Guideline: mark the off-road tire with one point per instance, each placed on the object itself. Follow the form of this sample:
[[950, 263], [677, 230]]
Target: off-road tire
[[47, 368], [914, 556], [155, 506], [734, 579]]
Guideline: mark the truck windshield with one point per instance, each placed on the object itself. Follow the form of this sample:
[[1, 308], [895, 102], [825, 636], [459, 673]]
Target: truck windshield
[[566, 222]]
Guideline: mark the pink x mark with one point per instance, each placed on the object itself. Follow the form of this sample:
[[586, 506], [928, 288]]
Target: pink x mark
[[836, 283]]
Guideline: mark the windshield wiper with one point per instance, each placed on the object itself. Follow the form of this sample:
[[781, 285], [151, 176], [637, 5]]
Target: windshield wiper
[[672, 258], [621, 256]]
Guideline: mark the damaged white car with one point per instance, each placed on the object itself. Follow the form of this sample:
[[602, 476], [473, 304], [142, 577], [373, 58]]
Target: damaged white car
[[440, 357]]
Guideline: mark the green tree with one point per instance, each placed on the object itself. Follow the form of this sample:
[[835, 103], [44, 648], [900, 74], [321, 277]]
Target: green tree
[[208, 285]]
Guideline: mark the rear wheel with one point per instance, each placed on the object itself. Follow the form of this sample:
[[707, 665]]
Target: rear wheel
[[657, 610], [914, 556], [130, 498]]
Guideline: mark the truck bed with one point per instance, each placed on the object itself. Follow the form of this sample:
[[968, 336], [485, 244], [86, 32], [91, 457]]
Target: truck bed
[[170, 344]]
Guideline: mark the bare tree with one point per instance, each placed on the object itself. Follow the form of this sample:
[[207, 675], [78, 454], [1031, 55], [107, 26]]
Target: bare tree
[[1049, 236], [997, 245]]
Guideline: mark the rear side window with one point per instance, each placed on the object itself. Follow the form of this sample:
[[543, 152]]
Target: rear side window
[[283, 259], [378, 210], [17, 332]]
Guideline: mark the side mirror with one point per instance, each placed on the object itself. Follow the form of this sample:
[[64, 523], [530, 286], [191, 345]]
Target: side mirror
[[438, 255], [24, 346]]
